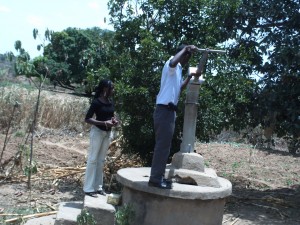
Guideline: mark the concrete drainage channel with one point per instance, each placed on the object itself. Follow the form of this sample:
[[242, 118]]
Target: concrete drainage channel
[[103, 212]]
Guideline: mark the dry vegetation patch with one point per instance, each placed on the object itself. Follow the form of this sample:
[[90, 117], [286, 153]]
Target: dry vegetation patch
[[260, 168]]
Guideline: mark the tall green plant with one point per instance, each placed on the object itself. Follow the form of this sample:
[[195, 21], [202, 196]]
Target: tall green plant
[[125, 215], [85, 218], [25, 66]]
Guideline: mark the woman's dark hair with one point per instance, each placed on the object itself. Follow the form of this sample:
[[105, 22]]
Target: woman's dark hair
[[102, 84]]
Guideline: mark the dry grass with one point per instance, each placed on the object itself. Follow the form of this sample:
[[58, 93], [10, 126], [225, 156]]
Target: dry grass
[[251, 167], [65, 112]]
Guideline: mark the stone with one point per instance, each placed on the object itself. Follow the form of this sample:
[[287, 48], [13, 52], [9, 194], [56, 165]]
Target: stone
[[208, 178], [103, 212], [67, 213], [188, 161], [45, 220]]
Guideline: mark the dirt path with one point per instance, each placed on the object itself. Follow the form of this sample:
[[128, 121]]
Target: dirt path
[[67, 146]]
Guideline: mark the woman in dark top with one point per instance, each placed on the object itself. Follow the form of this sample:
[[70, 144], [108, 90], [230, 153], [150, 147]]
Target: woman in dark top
[[100, 136]]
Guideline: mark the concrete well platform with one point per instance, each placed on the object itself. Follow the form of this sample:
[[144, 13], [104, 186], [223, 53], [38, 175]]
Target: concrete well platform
[[184, 204]]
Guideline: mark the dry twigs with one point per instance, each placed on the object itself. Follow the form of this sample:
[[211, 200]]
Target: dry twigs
[[230, 219], [236, 219], [27, 216], [61, 172]]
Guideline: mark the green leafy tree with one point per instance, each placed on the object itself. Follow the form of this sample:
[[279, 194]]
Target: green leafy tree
[[147, 33], [269, 30], [75, 56], [261, 38]]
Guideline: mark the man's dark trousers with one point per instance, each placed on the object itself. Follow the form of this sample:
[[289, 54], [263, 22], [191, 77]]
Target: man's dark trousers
[[164, 125]]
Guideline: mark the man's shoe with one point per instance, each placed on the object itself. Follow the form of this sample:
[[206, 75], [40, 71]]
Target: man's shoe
[[101, 192], [162, 185], [168, 182], [92, 194]]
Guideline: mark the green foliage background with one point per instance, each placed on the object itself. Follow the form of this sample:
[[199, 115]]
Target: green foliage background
[[261, 39]]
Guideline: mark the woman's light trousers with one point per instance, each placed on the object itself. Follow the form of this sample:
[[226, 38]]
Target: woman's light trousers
[[99, 143]]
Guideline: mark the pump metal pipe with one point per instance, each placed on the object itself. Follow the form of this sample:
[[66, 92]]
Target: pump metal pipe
[[210, 50], [191, 102]]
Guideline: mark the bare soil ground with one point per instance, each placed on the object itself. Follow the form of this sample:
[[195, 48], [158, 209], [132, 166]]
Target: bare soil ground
[[266, 183]]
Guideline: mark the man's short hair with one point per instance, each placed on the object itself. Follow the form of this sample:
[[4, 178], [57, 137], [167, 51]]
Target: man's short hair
[[180, 47]]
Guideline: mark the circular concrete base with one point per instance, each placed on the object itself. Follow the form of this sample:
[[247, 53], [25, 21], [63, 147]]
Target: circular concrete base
[[184, 204]]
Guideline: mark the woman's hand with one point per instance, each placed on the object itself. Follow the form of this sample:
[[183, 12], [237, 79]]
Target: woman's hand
[[109, 123], [115, 121], [112, 123]]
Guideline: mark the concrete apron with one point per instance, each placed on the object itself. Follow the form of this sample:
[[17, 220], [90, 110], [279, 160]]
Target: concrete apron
[[183, 204]]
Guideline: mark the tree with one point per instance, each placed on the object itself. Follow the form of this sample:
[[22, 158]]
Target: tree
[[75, 57], [25, 66], [147, 33], [269, 30]]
